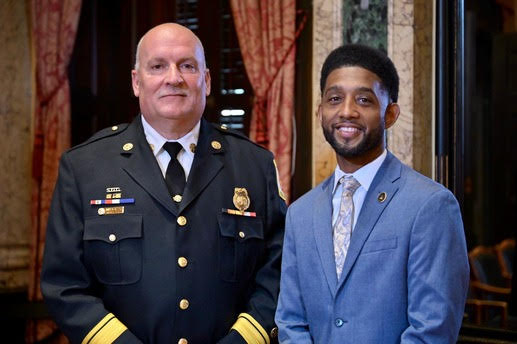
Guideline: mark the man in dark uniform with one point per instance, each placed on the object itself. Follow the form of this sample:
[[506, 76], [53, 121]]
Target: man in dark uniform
[[135, 254]]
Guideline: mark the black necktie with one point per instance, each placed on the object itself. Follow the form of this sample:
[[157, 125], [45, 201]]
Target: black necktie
[[175, 175]]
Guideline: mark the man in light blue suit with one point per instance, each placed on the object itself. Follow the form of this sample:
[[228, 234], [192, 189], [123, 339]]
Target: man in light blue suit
[[376, 253]]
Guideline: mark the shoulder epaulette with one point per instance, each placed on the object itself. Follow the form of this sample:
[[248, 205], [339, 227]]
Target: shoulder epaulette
[[223, 129], [103, 133]]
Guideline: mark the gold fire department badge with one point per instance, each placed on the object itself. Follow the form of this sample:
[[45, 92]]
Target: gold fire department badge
[[241, 199]]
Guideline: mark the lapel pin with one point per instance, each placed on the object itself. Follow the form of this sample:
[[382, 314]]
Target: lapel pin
[[192, 147], [382, 197], [127, 147]]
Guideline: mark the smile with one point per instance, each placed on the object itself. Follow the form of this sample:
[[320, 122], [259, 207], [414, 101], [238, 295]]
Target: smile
[[173, 95]]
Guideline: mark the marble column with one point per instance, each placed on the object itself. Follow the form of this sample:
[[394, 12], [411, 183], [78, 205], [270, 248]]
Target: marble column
[[15, 142], [410, 46], [327, 35]]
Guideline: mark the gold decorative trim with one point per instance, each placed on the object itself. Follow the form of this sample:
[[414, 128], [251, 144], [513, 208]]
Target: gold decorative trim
[[106, 331], [250, 330]]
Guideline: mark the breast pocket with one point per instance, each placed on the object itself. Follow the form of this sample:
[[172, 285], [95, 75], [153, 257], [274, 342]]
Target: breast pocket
[[113, 248], [241, 242], [379, 245]]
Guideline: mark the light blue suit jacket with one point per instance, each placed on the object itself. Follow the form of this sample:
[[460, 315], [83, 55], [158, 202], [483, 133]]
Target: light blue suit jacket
[[406, 273]]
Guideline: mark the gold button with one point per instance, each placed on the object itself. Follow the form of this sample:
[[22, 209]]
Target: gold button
[[112, 237], [242, 235], [216, 145], [177, 198], [274, 332], [114, 127], [223, 126], [182, 341], [101, 211], [184, 304], [182, 262], [382, 197], [182, 220], [127, 147]]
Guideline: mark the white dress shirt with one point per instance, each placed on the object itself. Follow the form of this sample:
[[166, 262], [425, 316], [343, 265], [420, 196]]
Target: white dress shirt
[[185, 156], [364, 176]]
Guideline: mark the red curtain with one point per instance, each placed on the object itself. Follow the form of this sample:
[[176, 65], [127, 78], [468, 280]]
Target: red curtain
[[266, 33], [54, 26]]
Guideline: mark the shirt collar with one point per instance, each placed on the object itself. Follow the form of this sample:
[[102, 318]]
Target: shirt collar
[[156, 140], [364, 175]]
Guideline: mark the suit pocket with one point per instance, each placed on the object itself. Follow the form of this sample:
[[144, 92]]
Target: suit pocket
[[240, 243], [379, 245], [113, 248]]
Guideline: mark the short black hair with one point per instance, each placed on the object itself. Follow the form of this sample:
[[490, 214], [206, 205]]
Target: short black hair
[[366, 57]]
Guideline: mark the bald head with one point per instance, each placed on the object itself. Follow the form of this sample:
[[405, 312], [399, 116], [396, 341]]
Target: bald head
[[171, 29]]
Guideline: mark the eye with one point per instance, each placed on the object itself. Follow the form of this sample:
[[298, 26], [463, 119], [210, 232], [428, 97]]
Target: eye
[[334, 99], [157, 66], [188, 67], [363, 100]]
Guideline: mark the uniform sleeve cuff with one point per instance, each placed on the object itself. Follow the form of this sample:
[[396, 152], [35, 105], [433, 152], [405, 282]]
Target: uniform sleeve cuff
[[106, 331], [250, 330]]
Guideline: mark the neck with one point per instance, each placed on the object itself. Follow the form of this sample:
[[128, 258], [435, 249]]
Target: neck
[[352, 164], [172, 129]]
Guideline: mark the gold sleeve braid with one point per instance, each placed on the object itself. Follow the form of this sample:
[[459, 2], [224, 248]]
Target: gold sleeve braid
[[106, 331], [250, 330]]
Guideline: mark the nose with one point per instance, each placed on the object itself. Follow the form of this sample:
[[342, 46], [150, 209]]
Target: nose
[[348, 109], [173, 76]]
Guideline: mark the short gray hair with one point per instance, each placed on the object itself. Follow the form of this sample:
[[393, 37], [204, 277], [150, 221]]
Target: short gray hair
[[137, 58]]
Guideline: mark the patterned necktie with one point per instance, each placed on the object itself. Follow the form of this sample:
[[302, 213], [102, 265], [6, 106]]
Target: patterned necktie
[[175, 175], [343, 225]]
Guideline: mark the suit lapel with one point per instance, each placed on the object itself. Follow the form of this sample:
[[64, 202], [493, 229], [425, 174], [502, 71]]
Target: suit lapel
[[207, 163], [386, 180], [142, 165], [322, 226]]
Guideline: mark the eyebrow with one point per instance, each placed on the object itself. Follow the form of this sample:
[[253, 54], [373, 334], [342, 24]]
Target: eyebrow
[[357, 89]]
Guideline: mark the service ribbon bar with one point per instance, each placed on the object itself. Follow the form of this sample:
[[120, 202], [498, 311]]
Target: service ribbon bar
[[112, 201], [238, 212]]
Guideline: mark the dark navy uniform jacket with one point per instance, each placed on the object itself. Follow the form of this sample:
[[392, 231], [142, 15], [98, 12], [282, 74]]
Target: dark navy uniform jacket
[[168, 273]]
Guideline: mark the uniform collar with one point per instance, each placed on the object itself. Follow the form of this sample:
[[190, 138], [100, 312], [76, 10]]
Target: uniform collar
[[156, 140]]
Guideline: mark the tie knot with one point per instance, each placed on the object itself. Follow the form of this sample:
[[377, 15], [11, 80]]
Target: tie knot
[[350, 184], [173, 148]]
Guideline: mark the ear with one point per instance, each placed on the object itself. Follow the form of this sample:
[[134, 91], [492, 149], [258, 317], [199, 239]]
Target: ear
[[135, 82], [391, 115], [207, 82]]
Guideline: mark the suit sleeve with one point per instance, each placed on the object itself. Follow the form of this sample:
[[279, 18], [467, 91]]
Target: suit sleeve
[[291, 317], [256, 324], [438, 272], [68, 290]]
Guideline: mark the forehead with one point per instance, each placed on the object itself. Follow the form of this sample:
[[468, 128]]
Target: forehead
[[167, 43], [351, 77]]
